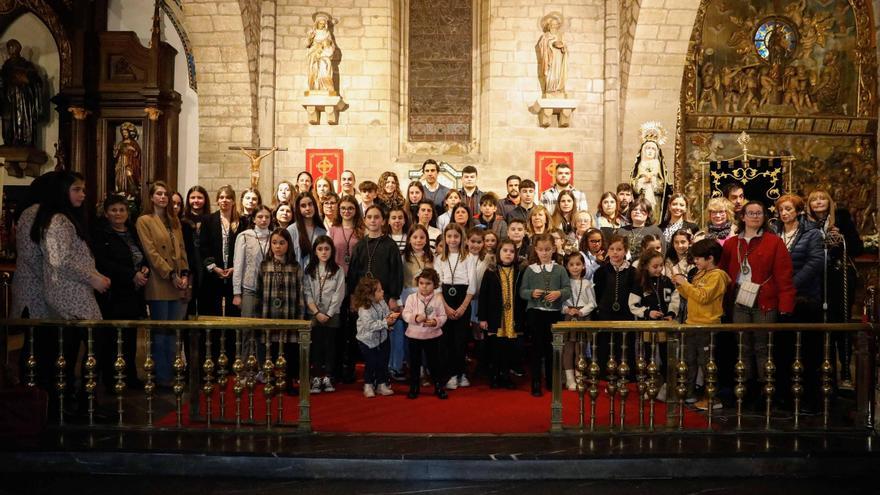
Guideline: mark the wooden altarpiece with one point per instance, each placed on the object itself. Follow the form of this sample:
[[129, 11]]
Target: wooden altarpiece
[[136, 90]]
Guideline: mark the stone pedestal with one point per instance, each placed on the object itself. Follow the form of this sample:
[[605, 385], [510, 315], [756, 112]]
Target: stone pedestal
[[546, 108], [21, 160], [317, 104]]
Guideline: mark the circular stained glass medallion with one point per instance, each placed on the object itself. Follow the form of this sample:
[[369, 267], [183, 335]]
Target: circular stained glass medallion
[[775, 39]]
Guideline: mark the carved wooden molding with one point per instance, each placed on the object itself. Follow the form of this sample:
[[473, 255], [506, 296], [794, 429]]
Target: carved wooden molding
[[153, 113], [79, 113]]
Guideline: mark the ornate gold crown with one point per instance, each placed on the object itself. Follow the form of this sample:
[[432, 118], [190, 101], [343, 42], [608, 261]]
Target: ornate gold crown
[[653, 131]]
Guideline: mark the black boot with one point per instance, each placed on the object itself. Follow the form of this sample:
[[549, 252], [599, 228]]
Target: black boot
[[440, 391], [536, 388], [413, 391]]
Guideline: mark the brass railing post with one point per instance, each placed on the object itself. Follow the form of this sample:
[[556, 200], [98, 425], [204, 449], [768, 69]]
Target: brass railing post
[[179, 368], [268, 373], [305, 418], [681, 378], [594, 379], [623, 371], [711, 378], [238, 384], [769, 377], [281, 374], [31, 360], [91, 365], [119, 366], [556, 401], [641, 376], [827, 389], [149, 384], [740, 388], [222, 372], [797, 387], [208, 388], [581, 378], [653, 371], [611, 386], [61, 384]]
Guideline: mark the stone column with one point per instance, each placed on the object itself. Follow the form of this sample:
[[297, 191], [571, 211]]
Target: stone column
[[266, 98], [611, 98]]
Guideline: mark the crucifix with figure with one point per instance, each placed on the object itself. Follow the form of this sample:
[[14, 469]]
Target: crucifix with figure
[[254, 154]]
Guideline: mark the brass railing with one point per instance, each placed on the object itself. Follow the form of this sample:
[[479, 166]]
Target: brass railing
[[207, 379], [592, 383]]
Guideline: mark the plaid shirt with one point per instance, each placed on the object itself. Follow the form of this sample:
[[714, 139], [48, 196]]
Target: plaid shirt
[[281, 290], [551, 196]]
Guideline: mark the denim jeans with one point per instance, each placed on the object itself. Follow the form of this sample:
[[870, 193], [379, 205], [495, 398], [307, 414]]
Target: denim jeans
[[754, 343], [375, 371], [398, 338], [163, 347]]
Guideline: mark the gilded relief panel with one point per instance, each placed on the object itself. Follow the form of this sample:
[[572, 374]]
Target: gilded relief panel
[[800, 78]]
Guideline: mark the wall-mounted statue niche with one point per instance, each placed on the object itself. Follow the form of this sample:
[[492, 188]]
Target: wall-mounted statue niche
[[322, 62], [800, 77], [23, 107]]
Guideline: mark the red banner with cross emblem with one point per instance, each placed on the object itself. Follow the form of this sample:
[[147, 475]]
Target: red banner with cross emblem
[[545, 167], [325, 163]]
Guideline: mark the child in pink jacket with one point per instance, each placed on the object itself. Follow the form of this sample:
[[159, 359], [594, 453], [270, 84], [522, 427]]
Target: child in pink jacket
[[425, 313]]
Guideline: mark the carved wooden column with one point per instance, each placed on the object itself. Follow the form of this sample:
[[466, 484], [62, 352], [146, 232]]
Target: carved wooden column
[[79, 139], [152, 135]]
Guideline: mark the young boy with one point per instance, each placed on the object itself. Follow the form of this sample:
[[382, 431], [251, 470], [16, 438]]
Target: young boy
[[705, 297], [516, 231], [369, 191], [488, 219]]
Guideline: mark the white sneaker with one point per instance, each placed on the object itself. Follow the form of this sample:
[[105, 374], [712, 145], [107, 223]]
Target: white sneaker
[[452, 384], [327, 384], [384, 389], [463, 381], [368, 391], [316, 385]]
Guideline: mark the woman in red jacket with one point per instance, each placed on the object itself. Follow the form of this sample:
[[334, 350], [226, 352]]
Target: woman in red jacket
[[760, 269]]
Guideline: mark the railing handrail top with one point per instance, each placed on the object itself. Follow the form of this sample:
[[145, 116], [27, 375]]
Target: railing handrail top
[[664, 326], [213, 322]]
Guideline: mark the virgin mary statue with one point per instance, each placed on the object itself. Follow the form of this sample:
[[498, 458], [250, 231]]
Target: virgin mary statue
[[649, 176]]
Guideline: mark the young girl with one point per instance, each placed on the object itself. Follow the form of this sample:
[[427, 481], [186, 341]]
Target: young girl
[[376, 256], [490, 242], [678, 258], [564, 214], [558, 244], [500, 311], [250, 201], [593, 247], [477, 249], [375, 320], [324, 290], [416, 257], [251, 247], [283, 193], [415, 192], [425, 217], [457, 273], [398, 224], [613, 282], [576, 308], [650, 244], [281, 294], [654, 297], [307, 226], [453, 199], [516, 232], [425, 313], [397, 229], [608, 214], [322, 188], [545, 286]]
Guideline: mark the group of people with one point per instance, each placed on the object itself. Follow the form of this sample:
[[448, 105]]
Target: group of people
[[407, 278]]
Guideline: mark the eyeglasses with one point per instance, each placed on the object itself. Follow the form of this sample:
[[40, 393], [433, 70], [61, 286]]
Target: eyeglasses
[[717, 212], [754, 214], [329, 203]]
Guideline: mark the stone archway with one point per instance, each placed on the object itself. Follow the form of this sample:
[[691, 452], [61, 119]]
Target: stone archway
[[227, 90], [652, 88]]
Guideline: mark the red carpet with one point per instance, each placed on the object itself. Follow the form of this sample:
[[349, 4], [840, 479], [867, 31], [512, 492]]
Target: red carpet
[[477, 409]]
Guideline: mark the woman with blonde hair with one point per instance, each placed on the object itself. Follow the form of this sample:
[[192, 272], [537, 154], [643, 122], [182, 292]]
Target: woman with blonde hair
[[538, 221], [722, 218]]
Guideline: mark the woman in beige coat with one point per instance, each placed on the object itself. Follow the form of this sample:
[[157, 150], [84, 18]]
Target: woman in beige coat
[[162, 239]]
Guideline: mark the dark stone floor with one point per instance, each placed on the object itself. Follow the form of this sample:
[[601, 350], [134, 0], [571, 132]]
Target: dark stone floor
[[137, 485]]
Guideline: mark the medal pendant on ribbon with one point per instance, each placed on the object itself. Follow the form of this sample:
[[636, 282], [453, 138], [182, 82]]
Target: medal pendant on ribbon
[[507, 306], [745, 269], [615, 306], [276, 302], [347, 259], [452, 291]]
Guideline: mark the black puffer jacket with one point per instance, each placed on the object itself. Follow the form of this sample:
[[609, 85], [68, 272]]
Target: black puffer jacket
[[807, 258]]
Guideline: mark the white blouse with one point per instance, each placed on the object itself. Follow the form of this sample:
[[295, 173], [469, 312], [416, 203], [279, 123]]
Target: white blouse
[[455, 271]]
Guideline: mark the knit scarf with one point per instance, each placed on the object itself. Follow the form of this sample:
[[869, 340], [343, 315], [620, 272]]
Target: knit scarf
[[719, 231]]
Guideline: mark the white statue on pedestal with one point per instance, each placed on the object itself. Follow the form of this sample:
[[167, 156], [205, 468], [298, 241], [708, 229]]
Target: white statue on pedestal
[[321, 46]]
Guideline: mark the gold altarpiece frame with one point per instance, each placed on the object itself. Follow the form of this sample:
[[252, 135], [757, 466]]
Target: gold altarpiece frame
[[800, 78]]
